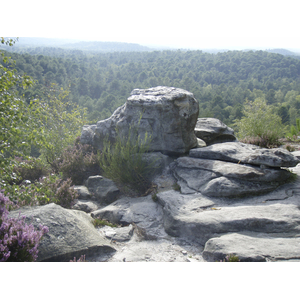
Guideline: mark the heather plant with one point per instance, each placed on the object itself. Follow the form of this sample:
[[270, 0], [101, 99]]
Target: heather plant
[[18, 241], [78, 162], [123, 161]]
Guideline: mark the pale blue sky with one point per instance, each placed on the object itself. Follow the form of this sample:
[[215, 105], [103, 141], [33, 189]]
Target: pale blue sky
[[184, 24]]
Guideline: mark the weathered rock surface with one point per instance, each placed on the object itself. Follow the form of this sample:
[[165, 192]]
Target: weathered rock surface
[[249, 246], [248, 154], [142, 211], [168, 114], [213, 131], [225, 179], [103, 190], [201, 219], [71, 233]]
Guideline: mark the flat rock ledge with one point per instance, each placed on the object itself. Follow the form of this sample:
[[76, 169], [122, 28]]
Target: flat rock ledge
[[233, 169]]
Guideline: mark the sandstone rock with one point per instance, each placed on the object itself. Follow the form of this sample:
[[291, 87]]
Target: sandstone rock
[[248, 154], [121, 234], [213, 131], [249, 246], [225, 179], [82, 191], [195, 217], [86, 205], [168, 114], [103, 189], [142, 211], [71, 233]]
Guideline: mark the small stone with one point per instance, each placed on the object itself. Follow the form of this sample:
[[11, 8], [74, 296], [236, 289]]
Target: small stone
[[184, 252]]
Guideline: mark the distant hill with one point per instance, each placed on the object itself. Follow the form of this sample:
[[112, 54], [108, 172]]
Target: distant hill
[[107, 47], [283, 52], [91, 46]]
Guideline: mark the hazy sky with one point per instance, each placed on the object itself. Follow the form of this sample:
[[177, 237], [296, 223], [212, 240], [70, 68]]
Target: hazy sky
[[182, 24]]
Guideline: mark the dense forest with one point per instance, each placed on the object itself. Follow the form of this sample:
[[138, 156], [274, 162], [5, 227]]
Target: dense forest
[[221, 82]]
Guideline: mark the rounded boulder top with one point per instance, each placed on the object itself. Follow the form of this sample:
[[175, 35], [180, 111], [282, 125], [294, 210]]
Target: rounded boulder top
[[158, 94]]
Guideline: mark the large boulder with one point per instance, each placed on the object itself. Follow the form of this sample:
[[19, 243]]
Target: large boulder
[[167, 114], [71, 233], [213, 131]]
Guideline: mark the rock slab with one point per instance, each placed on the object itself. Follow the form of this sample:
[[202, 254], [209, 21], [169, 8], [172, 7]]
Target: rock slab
[[237, 152]]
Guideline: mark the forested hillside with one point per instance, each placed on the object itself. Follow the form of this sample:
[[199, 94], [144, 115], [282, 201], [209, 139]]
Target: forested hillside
[[221, 82]]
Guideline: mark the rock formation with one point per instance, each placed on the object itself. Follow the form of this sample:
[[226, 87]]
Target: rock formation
[[211, 201], [168, 114]]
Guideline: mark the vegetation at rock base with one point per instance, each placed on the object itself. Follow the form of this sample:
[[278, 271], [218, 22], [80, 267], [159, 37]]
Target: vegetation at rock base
[[101, 223], [123, 161]]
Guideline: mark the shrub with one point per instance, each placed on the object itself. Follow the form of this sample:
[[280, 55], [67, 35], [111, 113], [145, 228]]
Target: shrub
[[50, 189], [123, 162], [78, 162], [31, 169], [264, 141], [18, 241], [260, 123]]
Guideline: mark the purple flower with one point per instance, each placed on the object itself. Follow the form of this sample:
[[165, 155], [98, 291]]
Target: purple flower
[[18, 240]]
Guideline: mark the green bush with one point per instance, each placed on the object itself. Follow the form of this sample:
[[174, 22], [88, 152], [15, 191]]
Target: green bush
[[123, 162], [260, 124]]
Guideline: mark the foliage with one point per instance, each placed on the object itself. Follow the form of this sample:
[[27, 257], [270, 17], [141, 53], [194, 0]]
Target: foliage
[[60, 123], [78, 162], [260, 122], [29, 169], [123, 161], [101, 223], [231, 258], [81, 259], [294, 131], [18, 241]]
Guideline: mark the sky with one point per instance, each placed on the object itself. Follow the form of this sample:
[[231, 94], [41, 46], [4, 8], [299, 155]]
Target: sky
[[221, 24]]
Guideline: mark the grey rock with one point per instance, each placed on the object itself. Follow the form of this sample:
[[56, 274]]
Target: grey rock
[[225, 179], [121, 234], [296, 153], [249, 246], [86, 205], [82, 191], [195, 217], [248, 154], [168, 115], [158, 162], [142, 211], [71, 233], [103, 189], [213, 131]]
